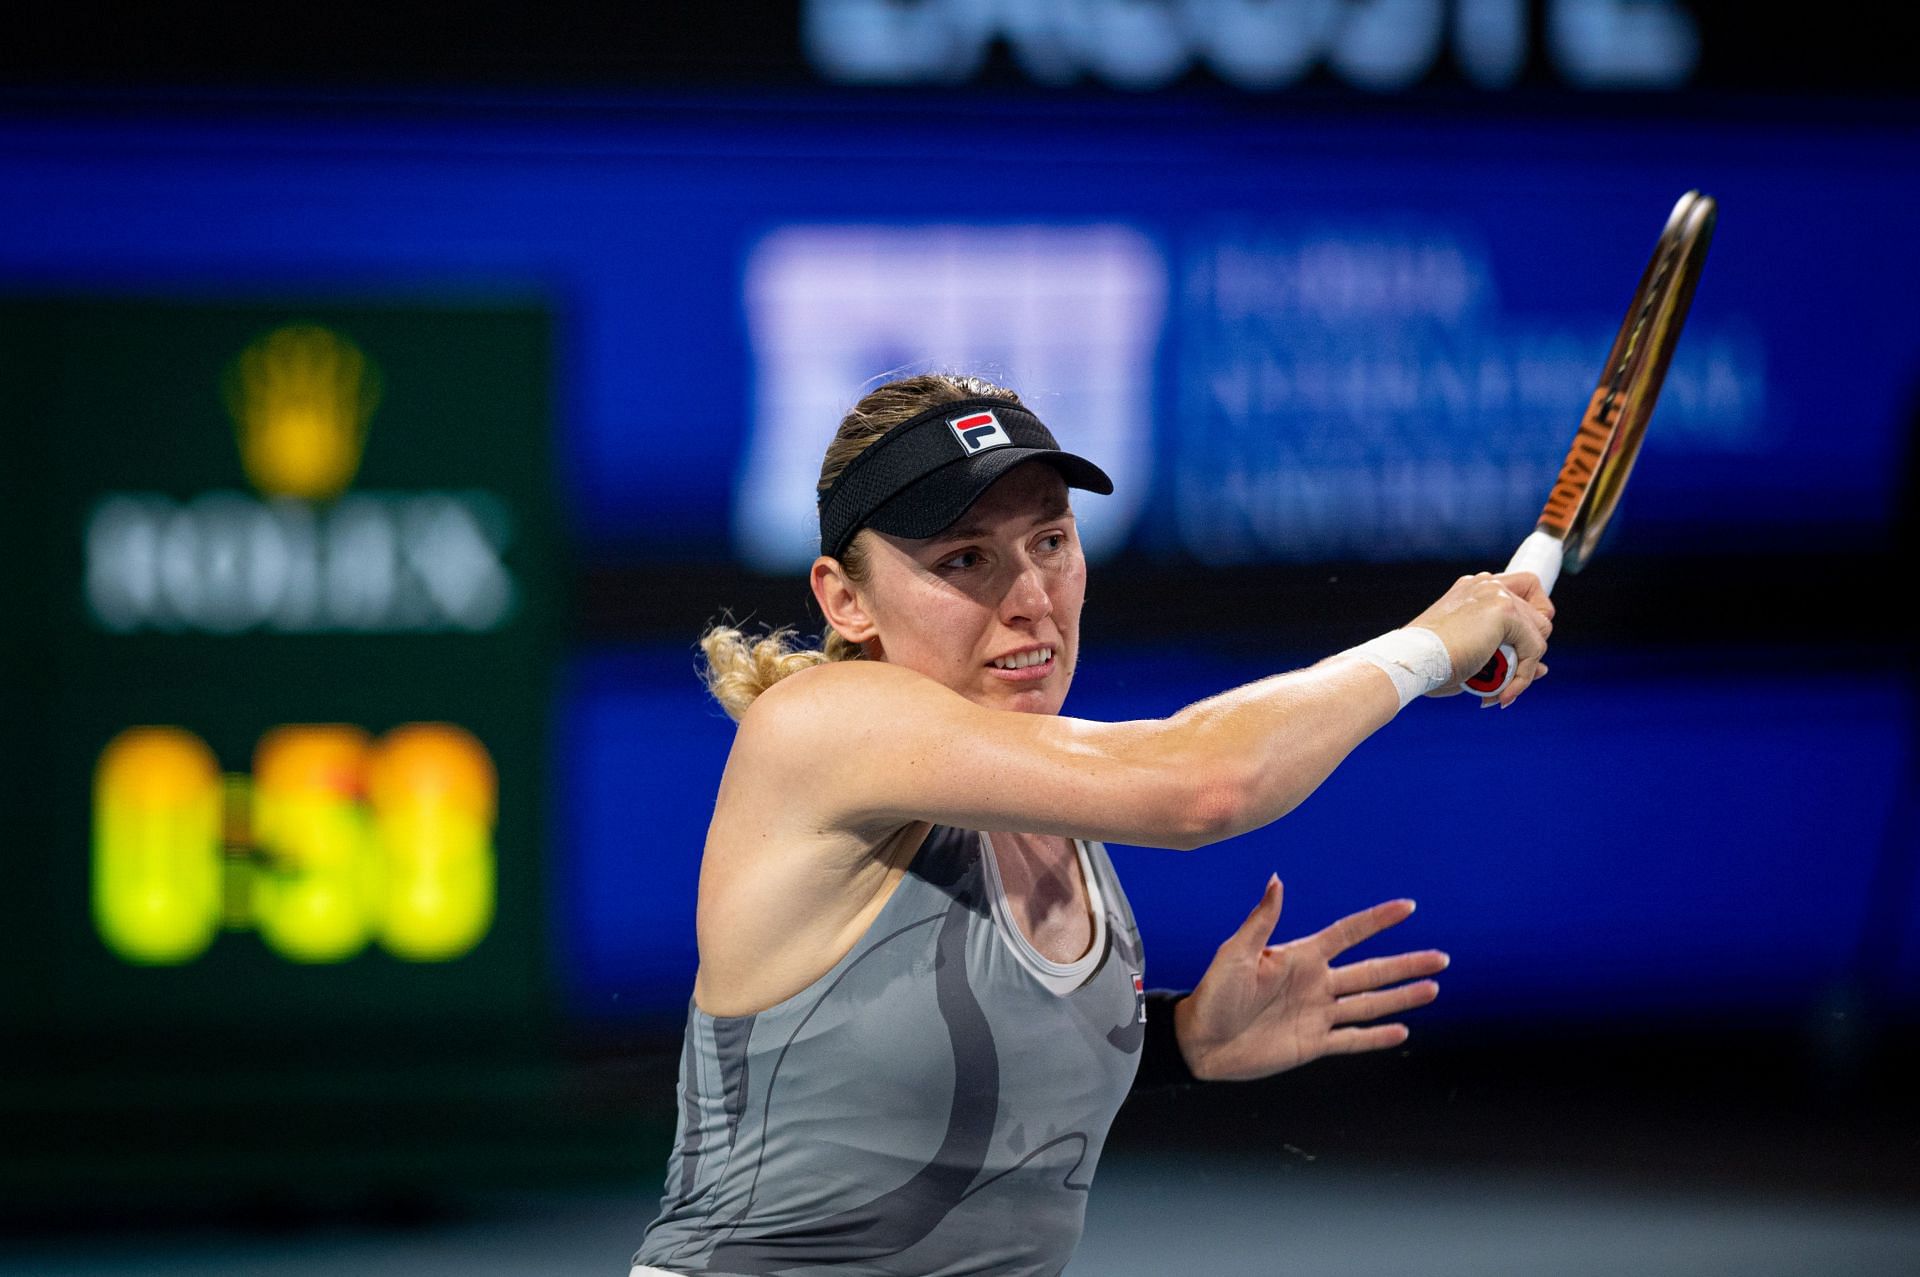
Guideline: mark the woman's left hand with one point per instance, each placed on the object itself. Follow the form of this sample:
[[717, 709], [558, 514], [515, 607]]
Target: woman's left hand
[[1262, 1008]]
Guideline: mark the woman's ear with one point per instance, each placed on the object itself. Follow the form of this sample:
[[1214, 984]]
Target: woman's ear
[[840, 603]]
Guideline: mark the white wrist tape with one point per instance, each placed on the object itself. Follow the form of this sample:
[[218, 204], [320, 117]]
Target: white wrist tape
[[1414, 658]]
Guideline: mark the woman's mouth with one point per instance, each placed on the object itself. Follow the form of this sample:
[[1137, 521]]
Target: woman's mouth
[[1023, 666]]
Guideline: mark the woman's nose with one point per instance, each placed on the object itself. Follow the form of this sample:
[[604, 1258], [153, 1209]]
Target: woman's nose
[[1027, 597]]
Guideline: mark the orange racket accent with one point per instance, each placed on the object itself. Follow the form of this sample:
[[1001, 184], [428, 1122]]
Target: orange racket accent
[[1582, 463]]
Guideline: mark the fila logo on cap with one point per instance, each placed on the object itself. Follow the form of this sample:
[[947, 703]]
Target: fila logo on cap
[[978, 431]]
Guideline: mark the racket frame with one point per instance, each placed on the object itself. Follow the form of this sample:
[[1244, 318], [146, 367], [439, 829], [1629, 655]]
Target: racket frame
[[1593, 477]]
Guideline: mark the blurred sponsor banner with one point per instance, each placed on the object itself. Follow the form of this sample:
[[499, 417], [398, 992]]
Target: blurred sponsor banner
[[1371, 391], [1292, 339], [1068, 316], [1379, 46], [1348, 391]]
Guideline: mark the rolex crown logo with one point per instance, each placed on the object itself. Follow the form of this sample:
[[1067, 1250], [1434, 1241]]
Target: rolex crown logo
[[300, 398]]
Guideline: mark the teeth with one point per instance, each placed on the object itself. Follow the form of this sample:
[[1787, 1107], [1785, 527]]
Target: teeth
[[1039, 656]]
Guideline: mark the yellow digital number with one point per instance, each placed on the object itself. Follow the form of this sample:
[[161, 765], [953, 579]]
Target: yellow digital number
[[157, 805], [334, 842], [433, 792], [316, 887]]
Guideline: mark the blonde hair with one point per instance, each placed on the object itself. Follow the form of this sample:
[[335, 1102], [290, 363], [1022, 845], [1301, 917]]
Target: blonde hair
[[739, 667]]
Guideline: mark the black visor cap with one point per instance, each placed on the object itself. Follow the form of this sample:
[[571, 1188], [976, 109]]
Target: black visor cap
[[936, 502], [928, 471]]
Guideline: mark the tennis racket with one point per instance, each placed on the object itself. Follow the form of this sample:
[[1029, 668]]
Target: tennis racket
[[1593, 476]]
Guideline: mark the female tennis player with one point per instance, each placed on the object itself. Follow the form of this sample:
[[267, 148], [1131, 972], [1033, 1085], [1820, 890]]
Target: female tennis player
[[919, 1001]]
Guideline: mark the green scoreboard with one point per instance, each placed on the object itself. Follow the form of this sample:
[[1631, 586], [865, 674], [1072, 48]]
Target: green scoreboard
[[278, 610]]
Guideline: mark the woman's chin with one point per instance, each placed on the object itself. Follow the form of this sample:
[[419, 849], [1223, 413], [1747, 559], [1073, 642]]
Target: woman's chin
[[1040, 698]]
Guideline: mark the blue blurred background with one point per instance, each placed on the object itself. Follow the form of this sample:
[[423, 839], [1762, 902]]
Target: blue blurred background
[[1325, 286]]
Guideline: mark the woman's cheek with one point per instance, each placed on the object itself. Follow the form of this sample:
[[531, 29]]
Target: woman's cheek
[[1073, 583]]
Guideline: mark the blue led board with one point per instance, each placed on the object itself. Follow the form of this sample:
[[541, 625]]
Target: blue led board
[[1289, 338], [1632, 864]]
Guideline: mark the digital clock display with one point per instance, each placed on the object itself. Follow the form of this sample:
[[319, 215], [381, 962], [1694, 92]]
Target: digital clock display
[[335, 842], [279, 686]]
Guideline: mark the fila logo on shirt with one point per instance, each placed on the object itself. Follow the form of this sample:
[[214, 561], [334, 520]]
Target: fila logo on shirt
[[1139, 998], [978, 431]]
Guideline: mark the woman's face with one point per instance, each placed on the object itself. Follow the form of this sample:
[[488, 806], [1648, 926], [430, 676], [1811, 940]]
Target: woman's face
[[990, 606]]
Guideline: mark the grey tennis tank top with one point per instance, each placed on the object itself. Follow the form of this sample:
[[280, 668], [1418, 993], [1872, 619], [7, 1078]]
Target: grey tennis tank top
[[933, 1105]]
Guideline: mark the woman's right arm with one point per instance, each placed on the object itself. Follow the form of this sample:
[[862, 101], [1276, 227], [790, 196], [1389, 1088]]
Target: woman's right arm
[[866, 747]]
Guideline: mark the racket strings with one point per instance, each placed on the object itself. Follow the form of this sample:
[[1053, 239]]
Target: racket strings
[[1651, 296]]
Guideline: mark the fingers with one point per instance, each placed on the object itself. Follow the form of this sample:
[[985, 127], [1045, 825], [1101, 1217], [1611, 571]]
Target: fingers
[[1371, 1006], [1375, 973], [1527, 586], [1525, 674], [1528, 628], [1376, 1038], [1355, 927], [1529, 625], [1258, 928]]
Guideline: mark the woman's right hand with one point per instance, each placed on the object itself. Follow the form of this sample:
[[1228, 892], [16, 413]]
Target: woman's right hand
[[1481, 612]]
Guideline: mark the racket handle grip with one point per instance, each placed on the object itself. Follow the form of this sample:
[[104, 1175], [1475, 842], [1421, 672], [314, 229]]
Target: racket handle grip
[[1540, 554]]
